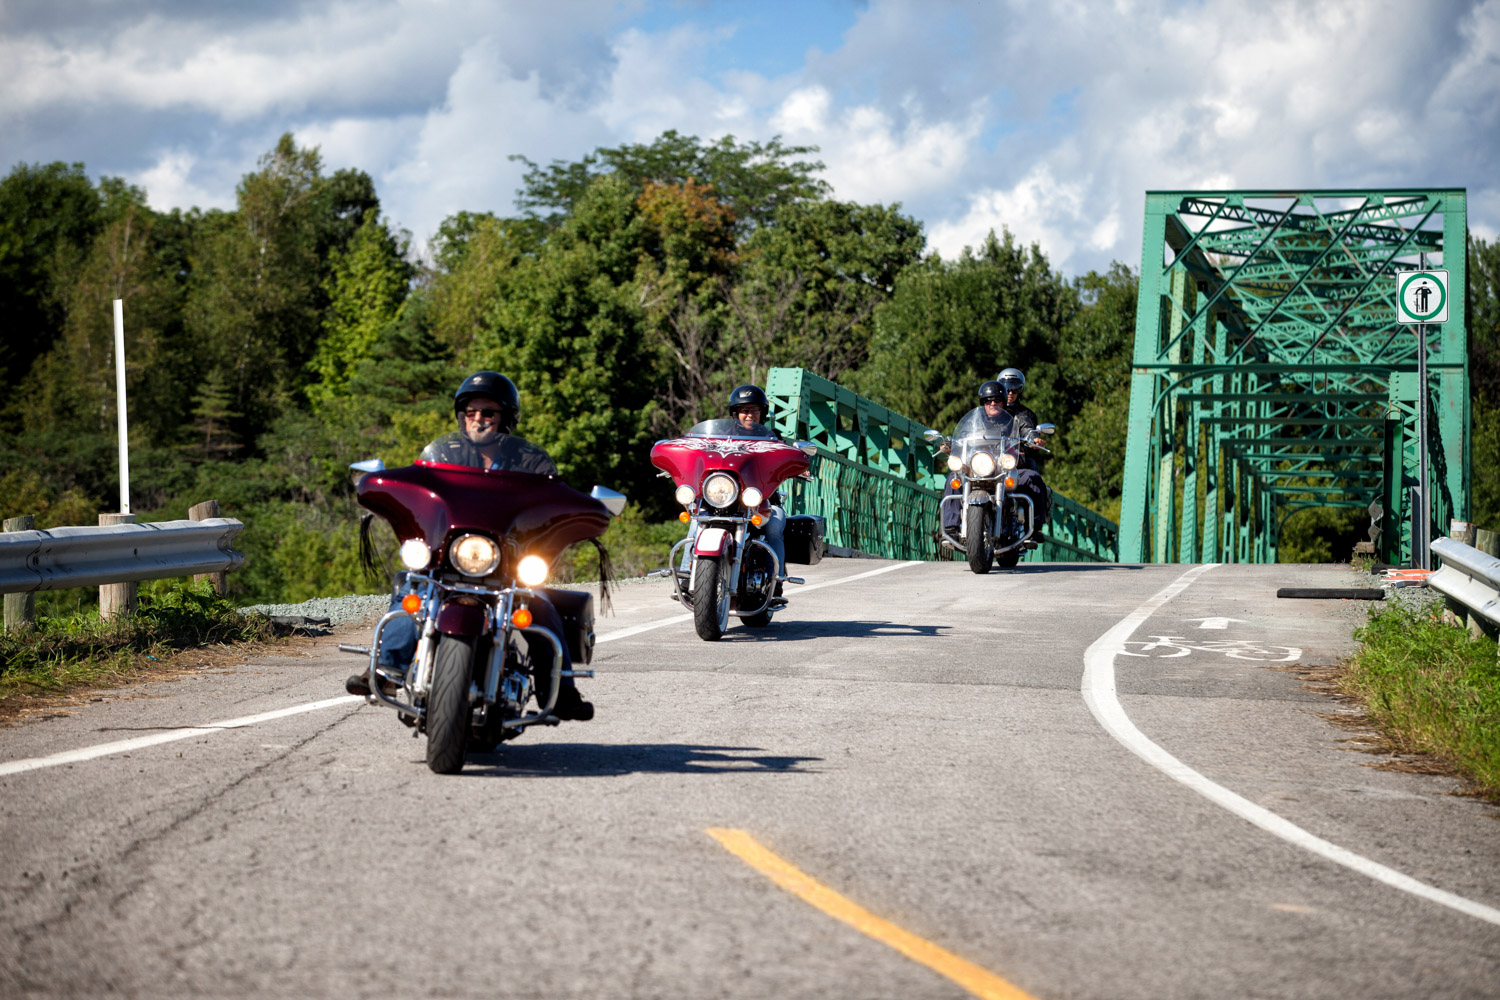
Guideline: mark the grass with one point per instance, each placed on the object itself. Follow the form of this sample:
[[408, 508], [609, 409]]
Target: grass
[[1433, 688], [63, 652]]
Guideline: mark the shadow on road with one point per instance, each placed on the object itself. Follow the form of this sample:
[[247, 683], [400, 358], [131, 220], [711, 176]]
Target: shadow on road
[[573, 760], [795, 631], [1028, 569]]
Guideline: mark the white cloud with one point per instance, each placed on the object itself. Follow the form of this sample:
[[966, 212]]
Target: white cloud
[[168, 185]]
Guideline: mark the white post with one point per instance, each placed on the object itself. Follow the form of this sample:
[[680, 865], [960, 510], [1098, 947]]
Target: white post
[[120, 398]]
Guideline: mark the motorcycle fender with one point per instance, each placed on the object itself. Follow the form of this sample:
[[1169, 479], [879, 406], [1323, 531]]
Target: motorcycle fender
[[711, 542], [978, 497], [461, 619]]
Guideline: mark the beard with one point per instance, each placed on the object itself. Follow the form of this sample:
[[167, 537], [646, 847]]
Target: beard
[[487, 436]]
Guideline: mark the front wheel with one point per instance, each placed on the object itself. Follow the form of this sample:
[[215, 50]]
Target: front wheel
[[710, 600], [977, 540], [448, 705]]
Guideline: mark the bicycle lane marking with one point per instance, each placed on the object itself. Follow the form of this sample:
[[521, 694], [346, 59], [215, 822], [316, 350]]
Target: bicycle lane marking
[[155, 739], [1099, 694]]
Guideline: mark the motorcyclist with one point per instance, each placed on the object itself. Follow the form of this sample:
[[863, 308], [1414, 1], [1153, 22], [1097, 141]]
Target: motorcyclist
[[749, 407], [1028, 482], [487, 407], [1014, 382]]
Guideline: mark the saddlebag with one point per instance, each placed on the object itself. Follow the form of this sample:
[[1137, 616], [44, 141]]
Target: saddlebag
[[576, 609], [804, 539]]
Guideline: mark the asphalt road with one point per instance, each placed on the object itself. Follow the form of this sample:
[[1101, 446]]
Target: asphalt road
[[933, 754]]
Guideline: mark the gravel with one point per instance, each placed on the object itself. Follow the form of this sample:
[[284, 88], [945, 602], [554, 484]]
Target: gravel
[[356, 608]]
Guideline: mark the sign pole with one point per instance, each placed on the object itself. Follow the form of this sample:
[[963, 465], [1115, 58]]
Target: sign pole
[[120, 399], [1422, 560]]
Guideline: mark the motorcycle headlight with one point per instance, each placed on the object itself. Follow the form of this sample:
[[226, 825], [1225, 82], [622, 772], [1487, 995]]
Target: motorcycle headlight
[[983, 464], [474, 555], [752, 497], [955, 463], [685, 495], [415, 554], [531, 570], [1007, 461], [720, 490]]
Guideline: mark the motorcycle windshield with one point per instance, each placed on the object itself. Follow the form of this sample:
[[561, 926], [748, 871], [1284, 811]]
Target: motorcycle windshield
[[978, 431], [755, 455], [726, 428], [528, 514]]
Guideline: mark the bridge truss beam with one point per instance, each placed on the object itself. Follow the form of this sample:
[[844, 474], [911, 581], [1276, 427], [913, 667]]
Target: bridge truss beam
[[1269, 373]]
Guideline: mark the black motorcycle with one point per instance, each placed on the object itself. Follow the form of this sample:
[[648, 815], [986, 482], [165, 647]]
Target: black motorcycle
[[998, 525]]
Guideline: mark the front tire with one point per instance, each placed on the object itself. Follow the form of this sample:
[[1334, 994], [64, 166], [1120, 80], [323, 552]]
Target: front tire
[[710, 600], [448, 705], [977, 540]]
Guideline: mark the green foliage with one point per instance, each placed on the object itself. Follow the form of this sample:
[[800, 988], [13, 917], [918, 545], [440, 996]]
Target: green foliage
[[754, 179], [367, 285], [1484, 367], [951, 326], [82, 648], [1321, 535], [1432, 687]]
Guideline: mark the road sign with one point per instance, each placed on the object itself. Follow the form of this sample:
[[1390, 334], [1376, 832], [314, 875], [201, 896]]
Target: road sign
[[1422, 296]]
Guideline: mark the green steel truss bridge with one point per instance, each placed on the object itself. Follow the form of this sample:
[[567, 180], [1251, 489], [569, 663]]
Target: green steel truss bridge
[[878, 483], [1270, 374]]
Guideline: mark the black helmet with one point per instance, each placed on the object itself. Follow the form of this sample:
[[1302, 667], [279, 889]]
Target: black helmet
[[750, 395], [992, 390], [1013, 380], [491, 385]]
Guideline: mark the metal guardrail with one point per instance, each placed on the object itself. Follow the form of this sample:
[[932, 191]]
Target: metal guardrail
[[1468, 577], [58, 558]]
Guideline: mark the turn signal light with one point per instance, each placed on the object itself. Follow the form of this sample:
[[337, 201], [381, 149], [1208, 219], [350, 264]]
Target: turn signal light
[[955, 484], [1010, 482], [411, 604], [684, 517], [521, 618], [756, 519]]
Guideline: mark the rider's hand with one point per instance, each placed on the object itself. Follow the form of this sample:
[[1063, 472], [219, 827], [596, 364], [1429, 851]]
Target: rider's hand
[[944, 447]]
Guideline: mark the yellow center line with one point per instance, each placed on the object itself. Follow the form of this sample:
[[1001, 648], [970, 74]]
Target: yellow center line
[[980, 982]]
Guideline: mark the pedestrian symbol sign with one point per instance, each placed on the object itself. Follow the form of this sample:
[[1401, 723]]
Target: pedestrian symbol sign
[[1422, 296]]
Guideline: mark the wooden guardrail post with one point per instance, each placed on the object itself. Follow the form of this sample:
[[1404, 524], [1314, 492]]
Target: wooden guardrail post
[[1487, 542], [20, 609], [116, 599], [202, 512]]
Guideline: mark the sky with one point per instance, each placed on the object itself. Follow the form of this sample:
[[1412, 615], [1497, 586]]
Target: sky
[[1051, 119]]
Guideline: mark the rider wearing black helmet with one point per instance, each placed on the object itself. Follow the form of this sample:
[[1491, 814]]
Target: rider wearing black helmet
[[488, 407], [993, 397], [749, 407]]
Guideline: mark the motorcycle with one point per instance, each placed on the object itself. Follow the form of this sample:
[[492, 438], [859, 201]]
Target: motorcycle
[[725, 476], [998, 525], [477, 546]]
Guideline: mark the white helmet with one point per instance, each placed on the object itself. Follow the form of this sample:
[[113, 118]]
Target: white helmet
[[1013, 380]]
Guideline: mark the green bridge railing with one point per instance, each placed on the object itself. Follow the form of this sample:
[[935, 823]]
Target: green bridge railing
[[878, 483]]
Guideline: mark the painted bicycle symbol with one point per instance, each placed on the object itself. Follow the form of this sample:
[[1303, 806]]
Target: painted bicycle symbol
[[1163, 646]]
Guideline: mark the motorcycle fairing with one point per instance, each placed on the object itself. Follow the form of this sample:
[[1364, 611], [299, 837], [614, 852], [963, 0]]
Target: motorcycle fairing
[[541, 515], [764, 463]]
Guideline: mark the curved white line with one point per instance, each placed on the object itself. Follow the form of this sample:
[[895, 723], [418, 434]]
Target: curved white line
[[1099, 695]]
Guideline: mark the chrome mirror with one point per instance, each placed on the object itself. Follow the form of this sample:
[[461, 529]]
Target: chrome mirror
[[613, 502]]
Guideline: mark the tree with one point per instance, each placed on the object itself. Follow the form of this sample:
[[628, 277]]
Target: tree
[[951, 326], [49, 216], [366, 286], [753, 179]]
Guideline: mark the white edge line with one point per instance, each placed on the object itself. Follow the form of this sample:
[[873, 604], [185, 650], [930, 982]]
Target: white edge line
[[626, 633], [169, 736], [1099, 695]]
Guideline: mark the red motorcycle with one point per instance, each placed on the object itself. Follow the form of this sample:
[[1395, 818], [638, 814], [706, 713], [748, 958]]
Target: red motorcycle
[[726, 475], [492, 645]]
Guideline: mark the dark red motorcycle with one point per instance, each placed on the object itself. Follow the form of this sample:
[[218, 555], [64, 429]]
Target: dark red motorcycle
[[726, 475], [491, 642]]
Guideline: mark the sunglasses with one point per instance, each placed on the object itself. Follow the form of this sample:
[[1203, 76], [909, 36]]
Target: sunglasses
[[488, 413]]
